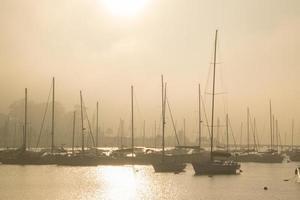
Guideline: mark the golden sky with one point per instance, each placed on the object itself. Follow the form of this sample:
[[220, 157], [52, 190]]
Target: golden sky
[[103, 49]]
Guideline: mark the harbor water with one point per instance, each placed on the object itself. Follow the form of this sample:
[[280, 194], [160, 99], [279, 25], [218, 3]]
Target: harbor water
[[141, 182]]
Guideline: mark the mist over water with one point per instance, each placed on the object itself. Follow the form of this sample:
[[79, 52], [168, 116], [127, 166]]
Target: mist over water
[[140, 182], [135, 89], [88, 47]]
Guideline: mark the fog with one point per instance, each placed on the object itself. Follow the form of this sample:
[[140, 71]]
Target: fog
[[86, 47]]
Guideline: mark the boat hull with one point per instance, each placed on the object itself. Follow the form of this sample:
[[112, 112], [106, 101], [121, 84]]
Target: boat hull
[[294, 156], [168, 167], [22, 158], [261, 158], [297, 173], [78, 161], [212, 168]]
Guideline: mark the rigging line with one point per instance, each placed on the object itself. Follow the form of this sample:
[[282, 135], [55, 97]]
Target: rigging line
[[217, 63], [231, 130], [160, 124], [253, 133], [220, 62], [178, 143], [158, 129], [222, 78], [217, 93], [241, 135], [209, 70], [205, 114], [263, 131], [44, 117], [125, 115], [257, 138], [208, 78], [89, 124], [215, 125], [211, 63], [279, 138], [119, 134], [139, 114], [138, 107], [94, 125]]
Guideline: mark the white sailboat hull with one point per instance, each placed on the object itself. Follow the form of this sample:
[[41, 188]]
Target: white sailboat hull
[[297, 172]]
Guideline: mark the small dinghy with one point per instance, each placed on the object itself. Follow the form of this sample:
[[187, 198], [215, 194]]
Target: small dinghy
[[297, 174]]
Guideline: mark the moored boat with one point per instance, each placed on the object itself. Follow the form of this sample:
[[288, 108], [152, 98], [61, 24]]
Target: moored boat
[[22, 157], [164, 166], [166, 163], [297, 173], [218, 162], [294, 155], [216, 167], [260, 157], [80, 159]]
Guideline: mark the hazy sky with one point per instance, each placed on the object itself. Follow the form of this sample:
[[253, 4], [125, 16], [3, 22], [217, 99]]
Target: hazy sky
[[87, 45]]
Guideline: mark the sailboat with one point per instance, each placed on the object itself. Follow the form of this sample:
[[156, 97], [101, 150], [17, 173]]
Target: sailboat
[[294, 153], [126, 155], [270, 156], [297, 173], [82, 158], [218, 162], [55, 153], [130, 155], [249, 154], [22, 156], [167, 163]]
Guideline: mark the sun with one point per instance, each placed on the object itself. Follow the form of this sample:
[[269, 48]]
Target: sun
[[125, 7]]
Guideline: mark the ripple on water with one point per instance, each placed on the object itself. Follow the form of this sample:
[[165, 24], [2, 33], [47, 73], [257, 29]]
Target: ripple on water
[[140, 182]]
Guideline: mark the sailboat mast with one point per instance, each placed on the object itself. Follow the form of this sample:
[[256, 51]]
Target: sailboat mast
[[144, 132], [213, 98], [199, 122], [227, 135], [254, 135], [97, 125], [154, 133], [132, 127], [273, 131], [248, 130], [121, 133], [82, 128], [73, 135], [15, 134], [25, 123], [184, 132], [218, 131], [162, 116], [241, 136], [292, 134], [164, 119], [271, 125], [277, 136], [52, 122]]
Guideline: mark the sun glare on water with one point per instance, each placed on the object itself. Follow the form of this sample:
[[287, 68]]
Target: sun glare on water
[[125, 7], [121, 182]]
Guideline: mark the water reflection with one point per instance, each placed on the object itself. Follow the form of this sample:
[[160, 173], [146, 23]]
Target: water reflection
[[121, 182], [140, 182]]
